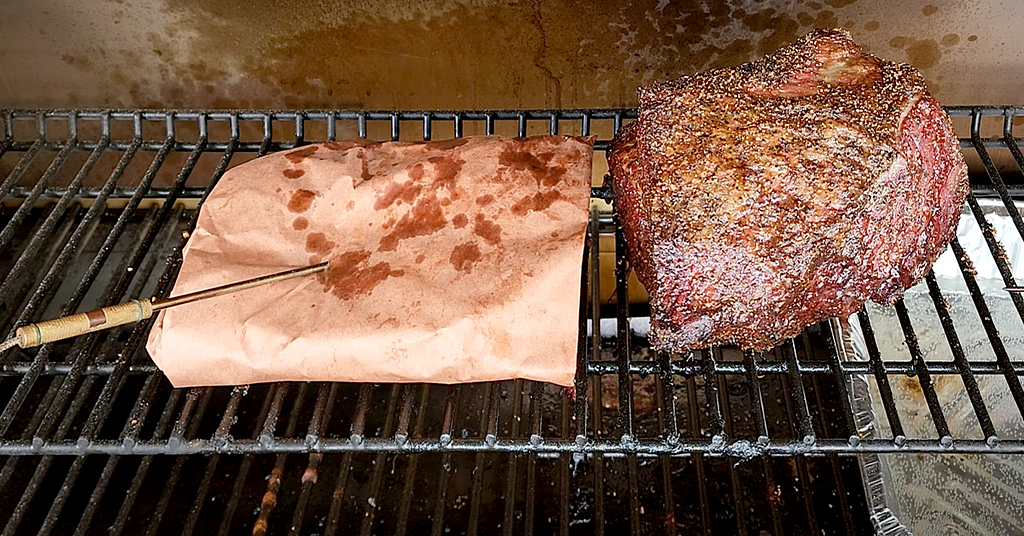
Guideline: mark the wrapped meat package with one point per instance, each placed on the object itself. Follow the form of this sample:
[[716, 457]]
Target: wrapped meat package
[[452, 261]]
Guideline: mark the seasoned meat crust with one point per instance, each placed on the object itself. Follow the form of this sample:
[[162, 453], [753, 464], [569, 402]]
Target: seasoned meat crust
[[760, 199]]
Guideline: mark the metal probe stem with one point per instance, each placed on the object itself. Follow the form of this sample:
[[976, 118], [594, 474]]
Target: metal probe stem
[[133, 311], [240, 285]]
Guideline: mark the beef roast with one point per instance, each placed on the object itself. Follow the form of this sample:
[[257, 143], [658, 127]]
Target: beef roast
[[760, 199]]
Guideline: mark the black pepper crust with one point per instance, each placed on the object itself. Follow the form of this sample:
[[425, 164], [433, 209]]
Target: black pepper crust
[[760, 199]]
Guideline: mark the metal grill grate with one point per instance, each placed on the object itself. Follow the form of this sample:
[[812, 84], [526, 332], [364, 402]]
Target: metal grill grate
[[97, 206]]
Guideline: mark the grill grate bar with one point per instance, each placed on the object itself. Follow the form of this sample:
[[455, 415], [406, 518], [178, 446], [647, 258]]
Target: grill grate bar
[[563, 470], [842, 494], [46, 229], [19, 215], [513, 461], [183, 423], [757, 397], [550, 447], [1002, 358], [1008, 140], [995, 178], [405, 504], [580, 408], [531, 495], [844, 506], [309, 478], [842, 384], [450, 404], [763, 438], [801, 463], [712, 397], [325, 399], [740, 505], [489, 124], [671, 528], [331, 126], [773, 491], [30, 490], [321, 414], [881, 371], [924, 376], [25, 289], [243, 471], [359, 421], [220, 437], [19, 170], [94, 499], [798, 395], [338, 496], [402, 430], [143, 468], [256, 147], [970, 382], [531, 462], [130, 433], [457, 124], [266, 436], [200, 498], [474, 497], [599, 476], [998, 253], [271, 497], [623, 350], [699, 462], [172, 480], [633, 490], [441, 495], [378, 466], [490, 417], [668, 421]]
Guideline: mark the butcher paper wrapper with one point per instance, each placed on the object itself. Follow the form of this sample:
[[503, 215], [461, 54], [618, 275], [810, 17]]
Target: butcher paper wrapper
[[454, 261]]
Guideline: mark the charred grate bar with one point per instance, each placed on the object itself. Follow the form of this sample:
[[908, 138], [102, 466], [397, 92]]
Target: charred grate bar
[[97, 205]]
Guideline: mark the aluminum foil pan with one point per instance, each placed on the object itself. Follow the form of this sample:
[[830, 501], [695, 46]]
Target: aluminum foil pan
[[926, 494]]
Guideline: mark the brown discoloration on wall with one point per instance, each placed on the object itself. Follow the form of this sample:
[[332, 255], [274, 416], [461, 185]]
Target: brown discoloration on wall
[[450, 54]]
